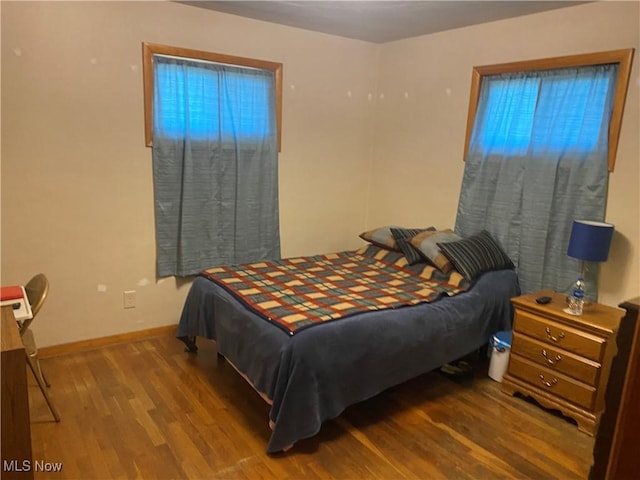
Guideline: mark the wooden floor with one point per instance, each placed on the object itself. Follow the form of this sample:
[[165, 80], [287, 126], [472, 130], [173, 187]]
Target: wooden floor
[[146, 409]]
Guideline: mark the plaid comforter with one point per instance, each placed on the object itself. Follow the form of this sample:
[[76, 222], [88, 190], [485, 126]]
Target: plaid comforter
[[297, 293]]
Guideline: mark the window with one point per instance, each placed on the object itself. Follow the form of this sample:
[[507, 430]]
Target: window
[[541, 140], [513, 101], [213, 123], [246, 97], [509, 80], [171, 119]]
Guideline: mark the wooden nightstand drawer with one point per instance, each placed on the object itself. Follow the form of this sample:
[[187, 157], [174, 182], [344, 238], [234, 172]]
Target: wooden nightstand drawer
[[559, 335], [552, 382], [556, 359]]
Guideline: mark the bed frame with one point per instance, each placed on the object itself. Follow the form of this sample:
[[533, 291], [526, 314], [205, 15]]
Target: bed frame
[[317, 373]]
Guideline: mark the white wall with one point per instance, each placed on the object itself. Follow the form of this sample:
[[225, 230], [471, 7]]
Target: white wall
[[418, 164], [76, 176], [77, 195]]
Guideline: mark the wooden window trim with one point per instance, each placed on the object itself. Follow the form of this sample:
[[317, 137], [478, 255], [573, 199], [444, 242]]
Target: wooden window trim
[[151, 49], [622, 57]]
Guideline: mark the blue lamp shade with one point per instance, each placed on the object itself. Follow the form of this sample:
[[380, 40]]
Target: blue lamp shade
[[590, 241]]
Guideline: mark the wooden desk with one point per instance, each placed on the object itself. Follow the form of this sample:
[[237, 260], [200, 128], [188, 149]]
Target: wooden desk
[[16, 425]]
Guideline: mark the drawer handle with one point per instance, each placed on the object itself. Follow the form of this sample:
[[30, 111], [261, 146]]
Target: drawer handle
[[551, 361], [548, 384], [547, 330]]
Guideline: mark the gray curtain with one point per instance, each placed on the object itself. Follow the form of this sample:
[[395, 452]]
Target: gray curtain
[[538, 160], [215, 166]]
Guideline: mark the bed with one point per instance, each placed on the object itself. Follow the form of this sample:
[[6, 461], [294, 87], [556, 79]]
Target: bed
[[309, 368]]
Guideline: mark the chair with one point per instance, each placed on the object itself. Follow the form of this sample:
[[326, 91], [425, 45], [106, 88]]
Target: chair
[[37, 289]]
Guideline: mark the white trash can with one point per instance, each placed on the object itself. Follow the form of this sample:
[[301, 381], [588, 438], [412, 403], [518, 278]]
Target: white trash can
[[500, 348]]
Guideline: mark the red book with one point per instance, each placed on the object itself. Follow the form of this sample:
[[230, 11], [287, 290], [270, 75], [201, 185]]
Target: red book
[[10, 293]]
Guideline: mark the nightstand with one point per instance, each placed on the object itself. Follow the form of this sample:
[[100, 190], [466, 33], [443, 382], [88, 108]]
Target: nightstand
[[562, 360]]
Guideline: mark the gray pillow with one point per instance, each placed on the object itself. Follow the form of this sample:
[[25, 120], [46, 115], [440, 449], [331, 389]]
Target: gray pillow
[[381, 237], [427, 244]]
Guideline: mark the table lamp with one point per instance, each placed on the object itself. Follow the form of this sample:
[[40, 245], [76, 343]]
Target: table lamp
[[589, 242]]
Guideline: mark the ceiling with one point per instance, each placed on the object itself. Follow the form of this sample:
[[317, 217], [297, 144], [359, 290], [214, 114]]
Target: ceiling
[[380, 21]]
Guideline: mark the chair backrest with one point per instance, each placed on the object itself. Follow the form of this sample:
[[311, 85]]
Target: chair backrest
[[37, 289]]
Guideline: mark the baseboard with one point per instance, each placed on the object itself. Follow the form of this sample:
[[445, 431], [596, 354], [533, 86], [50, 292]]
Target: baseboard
[[94, 343]]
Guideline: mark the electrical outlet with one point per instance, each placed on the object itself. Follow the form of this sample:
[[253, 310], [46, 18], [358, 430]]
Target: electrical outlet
[[130, 299]]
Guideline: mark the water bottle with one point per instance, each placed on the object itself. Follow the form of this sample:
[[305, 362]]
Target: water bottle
[[576, 300]]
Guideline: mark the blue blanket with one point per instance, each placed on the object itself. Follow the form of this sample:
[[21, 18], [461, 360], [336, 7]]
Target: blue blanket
[[314, 375]]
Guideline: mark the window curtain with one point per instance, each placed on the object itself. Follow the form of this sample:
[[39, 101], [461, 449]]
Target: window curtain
[[537, 160], [215, 167]]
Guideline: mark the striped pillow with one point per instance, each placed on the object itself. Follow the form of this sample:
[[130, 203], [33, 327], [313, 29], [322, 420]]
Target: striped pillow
[[475, 255], [403, 237]]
